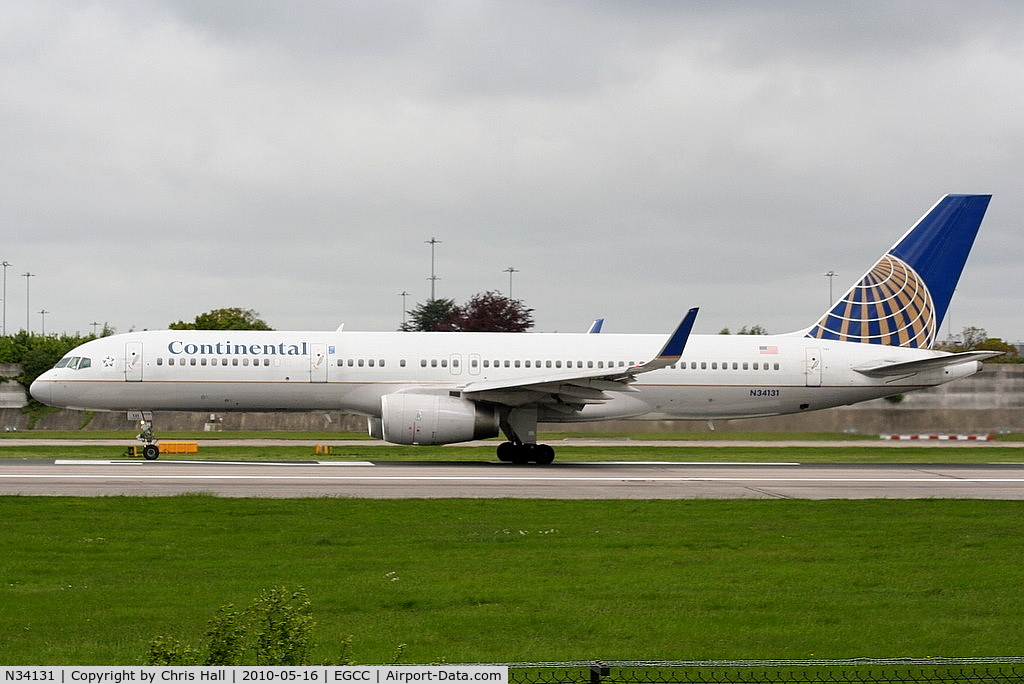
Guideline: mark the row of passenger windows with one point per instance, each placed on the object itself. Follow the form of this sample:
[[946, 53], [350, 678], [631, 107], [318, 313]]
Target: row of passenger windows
[[213, 361], [74, 362]]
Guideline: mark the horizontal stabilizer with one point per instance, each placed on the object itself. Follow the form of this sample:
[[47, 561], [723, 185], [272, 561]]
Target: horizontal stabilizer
[[885, 369]]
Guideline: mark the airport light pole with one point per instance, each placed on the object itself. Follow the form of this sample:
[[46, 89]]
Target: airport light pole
[[510, 271], [5, 265], [433, 278], [42, 315], [28, 308], [403, 294], [830, 275]]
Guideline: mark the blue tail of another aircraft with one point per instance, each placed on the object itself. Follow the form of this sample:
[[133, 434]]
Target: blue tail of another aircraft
[[903, 299]]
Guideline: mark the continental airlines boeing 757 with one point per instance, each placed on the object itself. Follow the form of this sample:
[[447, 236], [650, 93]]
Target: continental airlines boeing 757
[[442, 388]]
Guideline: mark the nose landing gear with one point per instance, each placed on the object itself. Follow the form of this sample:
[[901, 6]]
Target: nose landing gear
[[150, 449]]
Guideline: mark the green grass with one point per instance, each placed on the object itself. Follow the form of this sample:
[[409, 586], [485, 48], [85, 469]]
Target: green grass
[[713, 454], [90, 581], [128, 434]]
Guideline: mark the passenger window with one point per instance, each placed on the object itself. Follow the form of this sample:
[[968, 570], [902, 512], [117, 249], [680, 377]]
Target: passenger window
[[401, 363], [776, 366], [234, 362], [202, 361], [192, 361], [160, 361], [380, 363], [517, 363], [714, 365]]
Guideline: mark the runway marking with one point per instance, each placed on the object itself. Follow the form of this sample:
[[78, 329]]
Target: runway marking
[[507, 478], [283, 464]]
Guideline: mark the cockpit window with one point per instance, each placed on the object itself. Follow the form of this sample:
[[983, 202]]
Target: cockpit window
[[74, 362]]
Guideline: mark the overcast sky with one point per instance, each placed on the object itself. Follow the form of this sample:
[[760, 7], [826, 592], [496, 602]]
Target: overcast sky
[[159, 159]]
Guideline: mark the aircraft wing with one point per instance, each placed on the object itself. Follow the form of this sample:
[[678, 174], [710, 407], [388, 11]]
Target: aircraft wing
[[885, 369], [578, 387]]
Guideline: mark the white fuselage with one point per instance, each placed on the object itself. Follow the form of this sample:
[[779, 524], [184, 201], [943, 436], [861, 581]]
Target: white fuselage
[[717, 377]]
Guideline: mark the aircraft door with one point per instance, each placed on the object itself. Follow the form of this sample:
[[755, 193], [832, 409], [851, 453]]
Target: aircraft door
[[813, 366], [133, 361], [318, 362]]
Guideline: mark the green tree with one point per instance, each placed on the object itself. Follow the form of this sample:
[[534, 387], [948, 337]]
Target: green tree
[[37, 353], [426, 317], [224, 319]]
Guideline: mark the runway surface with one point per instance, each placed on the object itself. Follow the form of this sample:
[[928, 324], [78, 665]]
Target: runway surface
[[378, 479]]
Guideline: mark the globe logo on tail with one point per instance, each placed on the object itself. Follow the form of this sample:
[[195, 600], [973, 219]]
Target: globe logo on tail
[[891, 305]]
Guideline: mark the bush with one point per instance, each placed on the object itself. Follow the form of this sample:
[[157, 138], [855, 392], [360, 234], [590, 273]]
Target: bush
[[276, 629]]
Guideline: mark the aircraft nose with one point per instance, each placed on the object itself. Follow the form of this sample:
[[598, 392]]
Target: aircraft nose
[[41, 390]]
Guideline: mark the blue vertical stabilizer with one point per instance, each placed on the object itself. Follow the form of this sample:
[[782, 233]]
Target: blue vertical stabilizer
[[903, 299]]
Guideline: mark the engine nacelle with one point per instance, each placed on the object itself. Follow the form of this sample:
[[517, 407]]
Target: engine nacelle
[[427, 419]]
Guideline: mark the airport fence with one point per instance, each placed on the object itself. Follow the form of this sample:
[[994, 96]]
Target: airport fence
[[856, 671]]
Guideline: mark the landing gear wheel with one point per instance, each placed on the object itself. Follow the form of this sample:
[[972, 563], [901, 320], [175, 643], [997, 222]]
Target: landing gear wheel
[[543, 454], [507, 452], [151, 452], [510, 452]]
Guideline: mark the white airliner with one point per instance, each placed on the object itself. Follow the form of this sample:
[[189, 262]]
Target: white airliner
[[442, 388]]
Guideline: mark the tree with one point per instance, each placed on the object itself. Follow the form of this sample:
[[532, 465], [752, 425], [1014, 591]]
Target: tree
[[489, 312], [224, 319], [752, 330], [426, 317], [977, 339]]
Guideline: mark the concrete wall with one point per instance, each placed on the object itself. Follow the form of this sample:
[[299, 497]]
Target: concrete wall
[[990, 401], [12, 394]]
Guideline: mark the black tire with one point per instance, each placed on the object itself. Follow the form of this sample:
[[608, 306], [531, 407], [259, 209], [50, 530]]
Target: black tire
[[506, 452], [543, 454], [151, 452]]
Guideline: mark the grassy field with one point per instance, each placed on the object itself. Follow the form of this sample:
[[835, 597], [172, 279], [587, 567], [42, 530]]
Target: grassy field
[[91, 581]]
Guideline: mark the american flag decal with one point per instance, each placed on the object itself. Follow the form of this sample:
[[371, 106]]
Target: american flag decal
[[768, 349]]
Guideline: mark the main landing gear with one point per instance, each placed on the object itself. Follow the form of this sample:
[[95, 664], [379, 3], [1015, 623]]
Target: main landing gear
[[513, 452], [520, 426], [150, 450]]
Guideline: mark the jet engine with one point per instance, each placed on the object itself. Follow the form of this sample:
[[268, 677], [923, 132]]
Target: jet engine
[[426, 419]]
